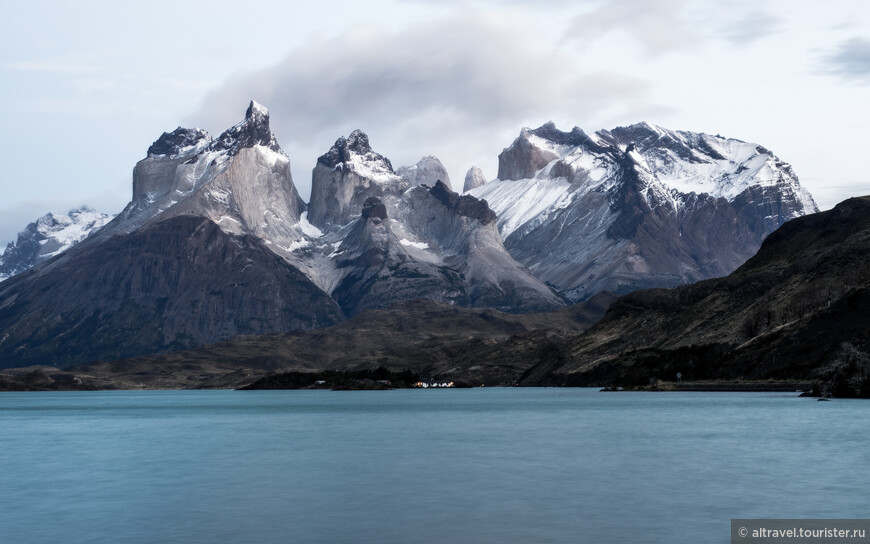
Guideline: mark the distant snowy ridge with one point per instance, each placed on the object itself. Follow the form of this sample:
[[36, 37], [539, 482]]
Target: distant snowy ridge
[[677, 164], [689, 162], [48, 236], [638, 206]]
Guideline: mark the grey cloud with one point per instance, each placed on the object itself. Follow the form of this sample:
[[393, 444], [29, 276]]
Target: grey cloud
[[851, 60], [663, 26], [458, 88], [751, 27], [659, 25]]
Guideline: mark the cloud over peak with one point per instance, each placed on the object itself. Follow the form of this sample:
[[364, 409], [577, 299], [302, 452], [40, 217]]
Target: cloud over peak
[[447, 87]]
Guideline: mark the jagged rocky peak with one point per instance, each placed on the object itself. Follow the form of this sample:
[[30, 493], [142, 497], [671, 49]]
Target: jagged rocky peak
[[548, 131], [374, 209], [427, 171], [254, 130], [474, 179], [464, 205], [179, 142], [356, 154], [241, 181], [182, 142], [643, 138], [536, 148], [434, 244], [345, 176]]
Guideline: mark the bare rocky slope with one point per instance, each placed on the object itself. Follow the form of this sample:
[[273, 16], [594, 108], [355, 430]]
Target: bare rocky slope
[[798, 309], [174, 284], [437, 341]]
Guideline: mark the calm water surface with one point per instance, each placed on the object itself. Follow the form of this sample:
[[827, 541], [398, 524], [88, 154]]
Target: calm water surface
[[477, 466]]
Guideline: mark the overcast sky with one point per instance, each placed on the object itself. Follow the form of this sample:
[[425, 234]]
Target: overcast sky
[[86, 87]]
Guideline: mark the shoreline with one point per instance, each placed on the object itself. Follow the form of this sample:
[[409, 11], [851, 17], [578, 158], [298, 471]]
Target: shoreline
[[803, 387]]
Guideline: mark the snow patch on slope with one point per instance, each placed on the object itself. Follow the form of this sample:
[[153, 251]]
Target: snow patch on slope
[[517, 202], [373, 170], [409, 243], [307, 228]]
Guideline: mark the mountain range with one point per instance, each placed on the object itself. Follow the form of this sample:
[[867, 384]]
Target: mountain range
[[216, 241], [795, 313]]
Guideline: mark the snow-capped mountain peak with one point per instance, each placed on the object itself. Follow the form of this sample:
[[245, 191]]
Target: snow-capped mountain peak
[[355, 154], [241, 181], [636, 197], [252, 131], [50, 235], [345, 176], [179, 143], [689, 162]]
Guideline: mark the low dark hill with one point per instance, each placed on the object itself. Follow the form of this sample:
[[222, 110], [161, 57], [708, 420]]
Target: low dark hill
[[171, 285], [799, 309], [433, 340]]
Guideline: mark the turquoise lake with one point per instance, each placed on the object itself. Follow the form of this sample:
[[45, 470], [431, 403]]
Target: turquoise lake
[[411, 466]]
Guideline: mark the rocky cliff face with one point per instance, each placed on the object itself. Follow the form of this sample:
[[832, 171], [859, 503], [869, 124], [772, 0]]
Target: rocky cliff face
[[241, 181], [638, 206], [48, 236], [345, 177], [435, 244], [386, 239]]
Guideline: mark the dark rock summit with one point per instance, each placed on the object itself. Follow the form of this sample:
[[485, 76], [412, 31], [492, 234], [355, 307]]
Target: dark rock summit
[[373, 208], [179, 142], [254, 130], [549, 132], [345, 176], [345, 150], [465, 205]]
